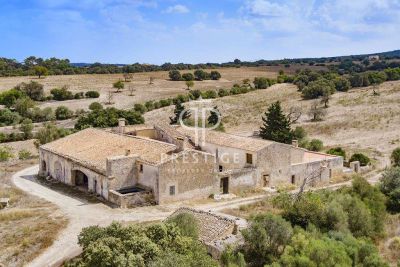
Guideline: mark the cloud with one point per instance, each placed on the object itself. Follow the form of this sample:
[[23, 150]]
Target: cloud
[[177, 9]]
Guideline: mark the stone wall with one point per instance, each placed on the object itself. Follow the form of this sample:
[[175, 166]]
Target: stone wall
[[131, 200], [122, 171], [192, 174], [275, 161], [322, 170]]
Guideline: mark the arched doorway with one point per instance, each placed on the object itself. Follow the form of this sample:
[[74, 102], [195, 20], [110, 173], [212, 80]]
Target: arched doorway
[[58, 171], [81, 180], [44, 166]]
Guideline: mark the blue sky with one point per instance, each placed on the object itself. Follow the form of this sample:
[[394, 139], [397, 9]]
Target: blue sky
[[194, 31]]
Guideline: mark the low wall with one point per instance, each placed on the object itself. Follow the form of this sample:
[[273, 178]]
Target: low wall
[[131, 200]]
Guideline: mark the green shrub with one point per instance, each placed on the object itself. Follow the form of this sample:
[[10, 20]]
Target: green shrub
[[223, 92], [187, 224], [5, 153], [165, 102], [188, 76], [175, 75], [24, 154], [395, 157], [9, 98], [95, 106], [261, 82], [337, 151], [195, 94], [299, 133], [33, 90], [363, 159], [61, 94], [63, 113], [390, 186], [209, 94], [318, 88], [149, 105], [215, 75], [315, 145], [92, 94], [140, 108]]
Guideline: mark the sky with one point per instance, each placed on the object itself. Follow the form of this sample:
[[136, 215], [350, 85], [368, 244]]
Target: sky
[[196, 31]]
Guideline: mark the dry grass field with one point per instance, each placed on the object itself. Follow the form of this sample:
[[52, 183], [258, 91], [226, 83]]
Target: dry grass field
[[29, 225], [162, 87], [355, 120]]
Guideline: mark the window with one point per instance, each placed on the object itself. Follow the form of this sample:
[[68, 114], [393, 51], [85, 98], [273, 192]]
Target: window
[[141, 168], [249, 158], [293, 179], [221, 168], [172, 190]]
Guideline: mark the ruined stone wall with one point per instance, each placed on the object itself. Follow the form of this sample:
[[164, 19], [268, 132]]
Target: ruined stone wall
[[320, 171], [193, 175], [131, 200], [274, 160], [122, 171]]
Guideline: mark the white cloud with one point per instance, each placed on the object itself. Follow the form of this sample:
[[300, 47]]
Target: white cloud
[[178, 9]]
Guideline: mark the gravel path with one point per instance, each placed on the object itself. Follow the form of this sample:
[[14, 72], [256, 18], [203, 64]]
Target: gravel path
[[82, 214]]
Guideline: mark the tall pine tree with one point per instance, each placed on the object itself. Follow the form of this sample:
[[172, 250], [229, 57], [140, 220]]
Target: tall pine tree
[[179, 108], [276, 126]]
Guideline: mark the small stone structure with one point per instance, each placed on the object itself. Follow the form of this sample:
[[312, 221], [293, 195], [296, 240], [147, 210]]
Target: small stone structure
[[169, 163], [215, 231], [355, 166]]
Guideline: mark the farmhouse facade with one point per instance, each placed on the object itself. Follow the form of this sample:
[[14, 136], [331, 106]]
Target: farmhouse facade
[[134, 165]]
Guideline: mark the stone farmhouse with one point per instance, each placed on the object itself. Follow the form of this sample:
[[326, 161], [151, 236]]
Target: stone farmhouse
[[137, 165]]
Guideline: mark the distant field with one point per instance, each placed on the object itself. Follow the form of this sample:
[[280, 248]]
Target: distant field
[[162, 87], [356, 120]]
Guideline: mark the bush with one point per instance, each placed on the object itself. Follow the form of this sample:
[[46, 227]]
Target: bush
[[140, 108], [261, 82], [390, 186], [7, 117], [195, 94], [342, 84], [78, 95], [175, 75], [363, 159], [63, 113], [92, 94], [24, 154], [201, 75], [95, 106], [209, 94], [395, 157], [188, 76], [315, 145], [215, 75], [149, 105], [26, 127], [318, 88], [10, 97], [266, 239], [223, 92], [299, 133], [337, 151], [165, 102], [187, 224], [61, 94], [5, 153], [33, 90]]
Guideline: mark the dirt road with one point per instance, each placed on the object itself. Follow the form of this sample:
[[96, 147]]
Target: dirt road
[[82, 214]]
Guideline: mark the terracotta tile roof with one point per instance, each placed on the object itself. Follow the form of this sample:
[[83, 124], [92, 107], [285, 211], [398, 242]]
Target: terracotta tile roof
[[91, 147], [211, 226], [228, 140]]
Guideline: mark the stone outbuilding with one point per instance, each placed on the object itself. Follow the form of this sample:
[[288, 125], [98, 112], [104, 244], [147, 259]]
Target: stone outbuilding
[[137, 165]]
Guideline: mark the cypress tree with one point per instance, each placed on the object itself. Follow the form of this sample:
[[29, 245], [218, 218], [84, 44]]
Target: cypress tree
[[276, 126]]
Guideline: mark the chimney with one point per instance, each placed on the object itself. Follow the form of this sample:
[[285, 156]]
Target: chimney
[[121, 125], [295, 143]]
